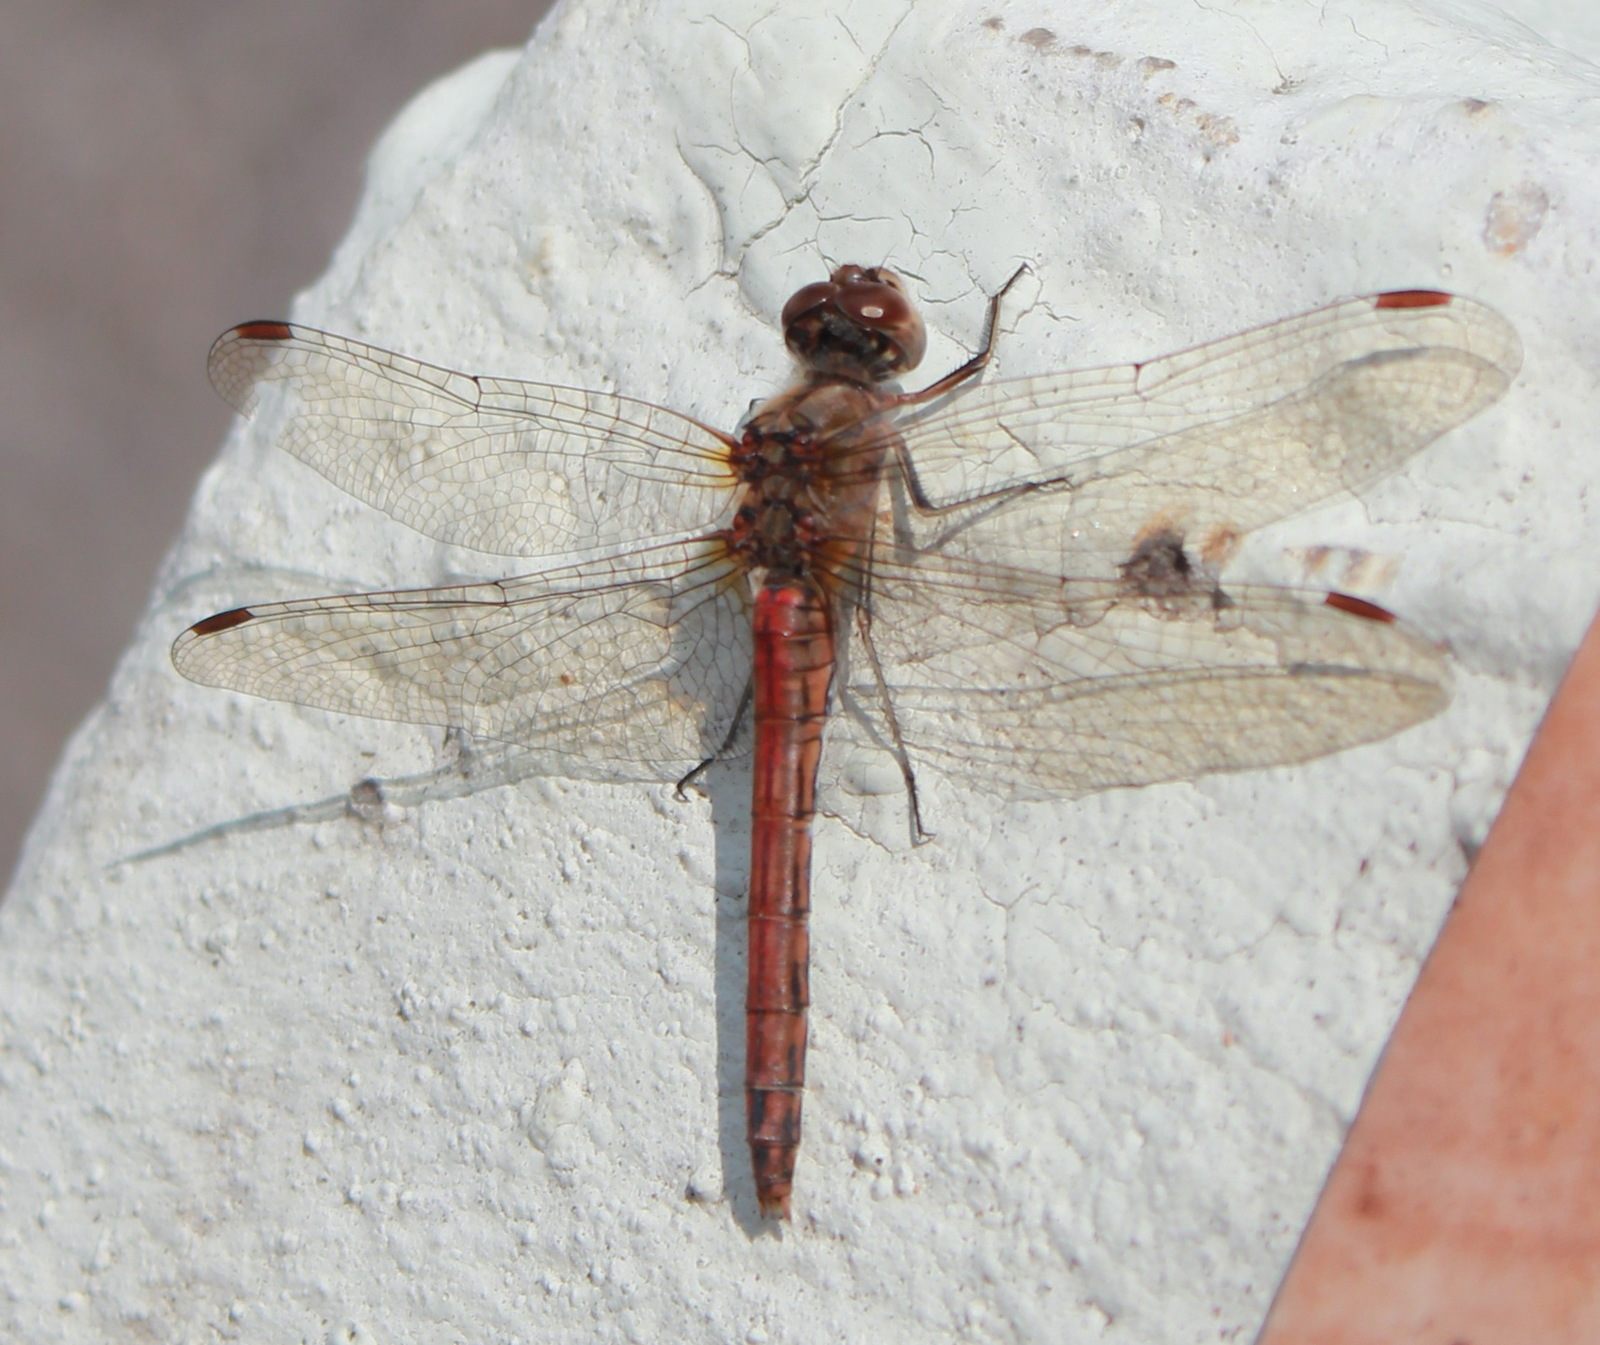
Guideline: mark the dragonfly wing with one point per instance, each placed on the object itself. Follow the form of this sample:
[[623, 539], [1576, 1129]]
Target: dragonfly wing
[[619, 671], [1218, 439], [1034, 687], [494, 464]]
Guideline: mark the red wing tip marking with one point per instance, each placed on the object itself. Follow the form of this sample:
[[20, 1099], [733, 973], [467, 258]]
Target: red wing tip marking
[[263, 331], [1355, 607], [1414, 299], [222, 621]]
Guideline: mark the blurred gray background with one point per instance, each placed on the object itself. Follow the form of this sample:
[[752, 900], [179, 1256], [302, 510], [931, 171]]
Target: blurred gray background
[[167, 168]]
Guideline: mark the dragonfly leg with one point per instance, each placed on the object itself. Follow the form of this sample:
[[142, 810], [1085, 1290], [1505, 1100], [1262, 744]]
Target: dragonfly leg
[[956, 377], [919, 834], [723, 748], [997, 499]]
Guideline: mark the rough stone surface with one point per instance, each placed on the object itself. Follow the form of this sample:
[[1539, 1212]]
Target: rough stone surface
[[470, 1071]]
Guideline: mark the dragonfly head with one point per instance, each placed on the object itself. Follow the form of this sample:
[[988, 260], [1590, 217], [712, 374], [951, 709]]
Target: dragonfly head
[[858, 324]]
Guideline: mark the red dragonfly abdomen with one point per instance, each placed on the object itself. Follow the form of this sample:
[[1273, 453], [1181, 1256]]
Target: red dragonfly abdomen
[[793, 665]]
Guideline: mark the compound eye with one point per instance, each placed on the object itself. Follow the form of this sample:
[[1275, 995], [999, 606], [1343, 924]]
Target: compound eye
[[807, 300], [880, 307], [859, 323], [876, 306]]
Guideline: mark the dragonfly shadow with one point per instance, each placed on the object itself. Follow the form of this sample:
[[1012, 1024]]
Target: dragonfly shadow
[[727, 786], [470, 769]]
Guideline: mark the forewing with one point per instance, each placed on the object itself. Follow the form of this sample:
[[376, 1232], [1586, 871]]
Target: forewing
[[624, 671], [1213, 440], [498, 465], [1022, 685]]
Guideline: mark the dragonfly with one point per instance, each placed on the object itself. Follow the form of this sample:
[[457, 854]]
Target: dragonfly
[[1013, 583]]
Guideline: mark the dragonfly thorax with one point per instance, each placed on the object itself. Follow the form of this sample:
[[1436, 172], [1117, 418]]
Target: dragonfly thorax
[[810, 459]]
